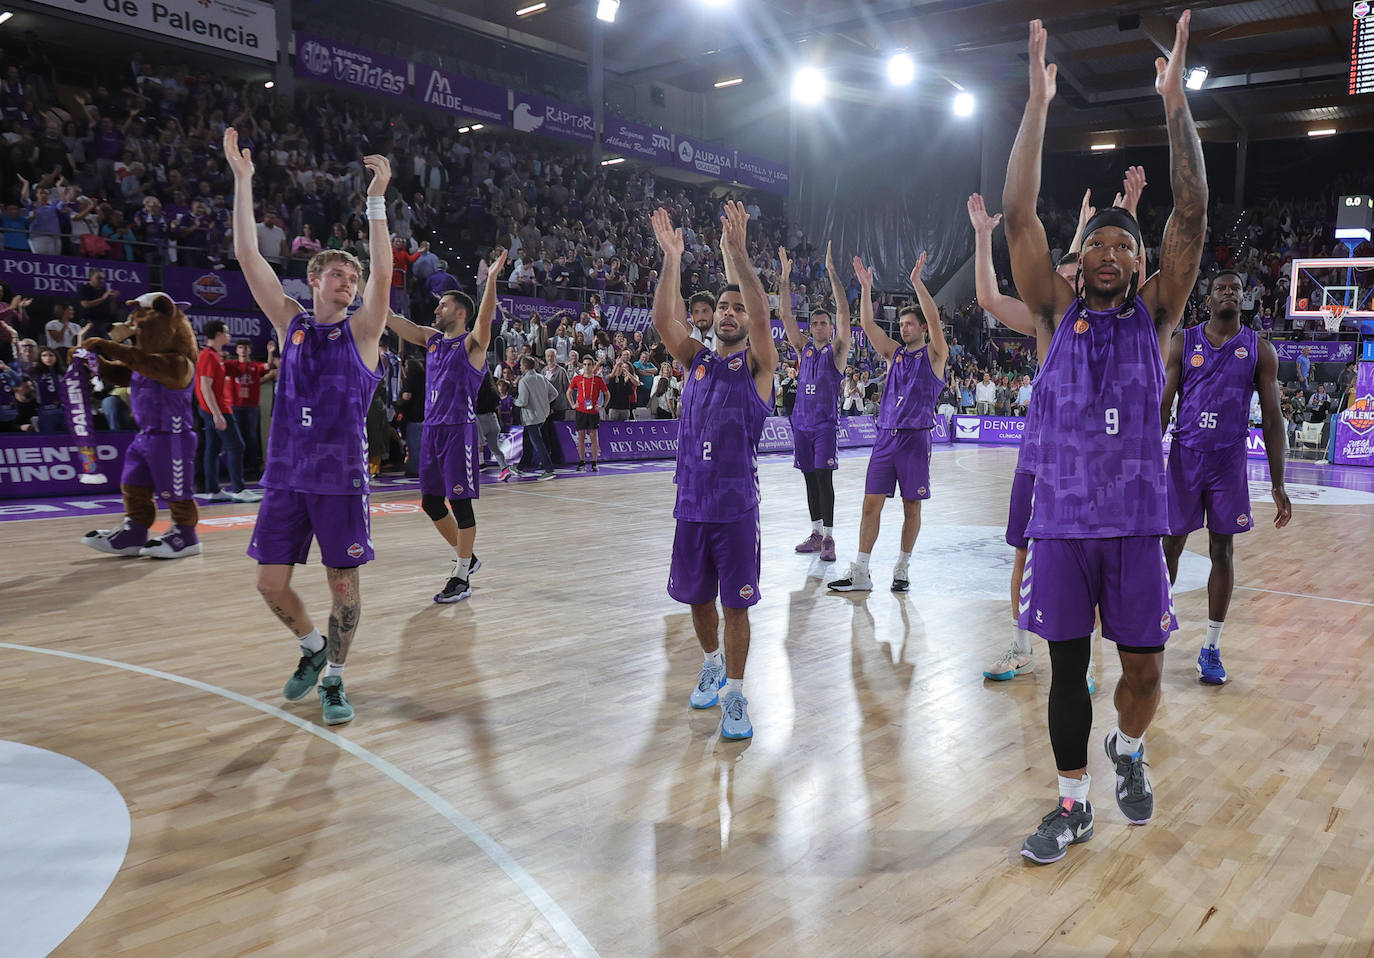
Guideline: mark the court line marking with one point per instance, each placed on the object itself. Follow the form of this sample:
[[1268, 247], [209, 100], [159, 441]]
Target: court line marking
[[1307, 595], [542, 901]]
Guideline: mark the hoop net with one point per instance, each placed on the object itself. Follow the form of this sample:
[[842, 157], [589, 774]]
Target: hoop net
[[1332, 314]]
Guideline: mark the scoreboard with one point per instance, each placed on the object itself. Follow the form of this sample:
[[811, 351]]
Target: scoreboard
[[1362, 48]]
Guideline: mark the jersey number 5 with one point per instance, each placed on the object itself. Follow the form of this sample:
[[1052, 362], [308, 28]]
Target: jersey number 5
[[305, 416]]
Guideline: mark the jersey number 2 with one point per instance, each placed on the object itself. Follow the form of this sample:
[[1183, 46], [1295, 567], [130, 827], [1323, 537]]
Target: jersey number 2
[[706, 452]]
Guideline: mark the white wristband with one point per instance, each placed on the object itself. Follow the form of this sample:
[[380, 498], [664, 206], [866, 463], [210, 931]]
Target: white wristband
[[376, 207]]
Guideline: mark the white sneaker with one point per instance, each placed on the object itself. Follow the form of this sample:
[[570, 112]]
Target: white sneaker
[[246, 495], [858, 580], [219, 495], [1011, 664]]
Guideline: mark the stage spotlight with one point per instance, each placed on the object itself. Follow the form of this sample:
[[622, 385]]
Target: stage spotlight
[[269, 84], [901, 69], [964, 103], [808, 86], [606, 10], [1196, 77]]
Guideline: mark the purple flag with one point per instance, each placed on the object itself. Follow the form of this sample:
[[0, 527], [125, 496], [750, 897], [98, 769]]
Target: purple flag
[[76, 400], [354, 68]]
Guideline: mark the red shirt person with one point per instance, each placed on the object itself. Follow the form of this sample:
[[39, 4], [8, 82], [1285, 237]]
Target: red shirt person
[[215, 398], [587, 393], [246, 376]]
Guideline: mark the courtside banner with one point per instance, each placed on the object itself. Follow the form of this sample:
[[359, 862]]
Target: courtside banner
[[989, 429], [245, 27], [32, 275], [49, 464], [1330, 351], [1355, 427]]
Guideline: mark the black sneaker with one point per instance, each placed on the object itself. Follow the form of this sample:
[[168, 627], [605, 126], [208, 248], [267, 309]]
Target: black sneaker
[[455, 590], [1069, 824], [474, 564], [592, 465], [1134, 795], [900, 580], [579, 466]]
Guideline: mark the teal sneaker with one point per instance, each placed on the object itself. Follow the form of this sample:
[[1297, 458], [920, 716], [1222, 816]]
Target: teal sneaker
[[334, 702], [307, 673]]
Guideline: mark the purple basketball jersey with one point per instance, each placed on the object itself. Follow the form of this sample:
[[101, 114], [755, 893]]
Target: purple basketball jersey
[[818, 388], [911, 390], [1030, 437], [1214, 389], [451, 382], [718, 439], [159, 409], [318, 441], [1099, 472], [47, 383]]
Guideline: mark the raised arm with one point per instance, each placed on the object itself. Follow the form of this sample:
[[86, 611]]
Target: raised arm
[[1180, 251], [740, 271], [939, 348], [1173, 371], [480, 338], [262, 280], [410, 332], [881, 341], [1007, 310], [1045, 293], [1086, 211], [844, 335], [789, 321], [668, 308], [1275, 434], [370, 319]]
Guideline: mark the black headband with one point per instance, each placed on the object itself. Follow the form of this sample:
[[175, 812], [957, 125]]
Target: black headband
[[1114, 216]]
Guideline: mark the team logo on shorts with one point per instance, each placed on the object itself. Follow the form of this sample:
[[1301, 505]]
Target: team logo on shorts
[[746, 592], [1242, 520], [830, 462], [736, 363], [701, 371], [457, 488], [298, 337], [164, 494], [1081, 326], [1242, 352], [335, 334], [921, 491], [355, 550], [1196, 361], [1164, 622]]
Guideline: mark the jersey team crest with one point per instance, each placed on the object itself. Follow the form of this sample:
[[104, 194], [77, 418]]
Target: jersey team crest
[[1080, 326], [1242, 352], [701, 372], [335, 334], [298, 337], [1196, 361], [736, 363]]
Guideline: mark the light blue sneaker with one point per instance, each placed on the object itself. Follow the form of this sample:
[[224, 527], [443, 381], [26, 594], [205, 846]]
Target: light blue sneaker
[[734, 723], [1209, 667], [709, 683]]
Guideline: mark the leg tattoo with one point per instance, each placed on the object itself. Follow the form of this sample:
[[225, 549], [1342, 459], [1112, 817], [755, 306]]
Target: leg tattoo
[[344, 612]]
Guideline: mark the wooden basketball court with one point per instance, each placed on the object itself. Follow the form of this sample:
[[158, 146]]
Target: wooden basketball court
[[525, 777]]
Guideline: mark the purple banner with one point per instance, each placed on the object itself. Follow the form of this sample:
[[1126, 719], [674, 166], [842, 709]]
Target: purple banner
[[535, 114], [1331, 351], [991, 429], [32, 275], [760, 174], [637, 141], [253, 327], [460, 95], [354, 68], [209, 289], [523, 307], [1355, 428], [657, 438], [627, 319], [705, 158], [50, 465]]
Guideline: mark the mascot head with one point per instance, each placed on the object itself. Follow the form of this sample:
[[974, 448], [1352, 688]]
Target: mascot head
[[160, 325]]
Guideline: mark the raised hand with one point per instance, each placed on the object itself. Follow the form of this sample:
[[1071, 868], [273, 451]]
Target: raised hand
[[864, 274], [669, 239], [917, 270], [734, 227], [1042, 78], [381, 173], [784, 267], [1132, 186], [983, 224], [1169, 73], [497, 265], [240, 161]]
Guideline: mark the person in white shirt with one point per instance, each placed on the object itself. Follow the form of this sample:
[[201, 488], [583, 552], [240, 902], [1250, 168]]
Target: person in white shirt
[[586, 327], [272, 240], [985, 396], [63, 332], [1023, 397]]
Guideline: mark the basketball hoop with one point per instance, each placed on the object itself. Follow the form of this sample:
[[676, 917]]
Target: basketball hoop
[[1331, 316]]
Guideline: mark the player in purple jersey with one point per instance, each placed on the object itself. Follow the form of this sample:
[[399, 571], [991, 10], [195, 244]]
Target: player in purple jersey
[[727, 396], [1098, 503], [823, 352], [906, 421], [316, 476], [1012, 313], [450, 444], [1213, 367]]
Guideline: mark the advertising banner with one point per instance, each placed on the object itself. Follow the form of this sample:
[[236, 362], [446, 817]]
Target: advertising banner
[[32, 275], [461, 96], [1323, 352], [535, 114], [704, 158], [209, 288], [1355, 427], [989, 429], [523, 307], [353, 68], [245, 27], [47, 464], [637, 141], [760, 174]]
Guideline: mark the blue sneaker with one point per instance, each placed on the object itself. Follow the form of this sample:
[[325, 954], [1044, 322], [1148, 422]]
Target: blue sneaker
[[734, 723], [709, 683], [1209, 667]]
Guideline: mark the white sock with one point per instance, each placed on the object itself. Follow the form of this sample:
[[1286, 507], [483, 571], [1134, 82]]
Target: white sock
[[332, 671], [311, 643], [902, 559], [816, 526], [828, 531], [718, 656], [733, 685], [1214, 634], [456, 554], [460, 566], [862, 562], [1125, 745], [1023, 642], [1075, 788]]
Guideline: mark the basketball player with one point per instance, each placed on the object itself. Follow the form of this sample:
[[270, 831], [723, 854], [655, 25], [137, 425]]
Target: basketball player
[[906, 421], [316, 476], [1213, 367], [728, 393], [450, 443], [824, 351], [1098, 504], [1012, 313]]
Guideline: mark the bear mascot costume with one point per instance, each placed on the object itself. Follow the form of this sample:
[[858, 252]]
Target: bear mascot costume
[[160, 463]]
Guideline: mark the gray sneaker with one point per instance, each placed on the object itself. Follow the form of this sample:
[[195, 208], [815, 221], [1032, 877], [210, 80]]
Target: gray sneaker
[[1134, 795], [1069, 824], [709, 684]]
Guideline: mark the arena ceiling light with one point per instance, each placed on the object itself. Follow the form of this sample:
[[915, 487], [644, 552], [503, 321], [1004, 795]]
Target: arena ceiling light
[[6, 15], [901, 69], [1196, 77], [1102, 147], [269, 84], [612, 161], [532, 9], [808, 86], [606, 10], [717, 3], [733, 81], [1329, 131], [964, 103]]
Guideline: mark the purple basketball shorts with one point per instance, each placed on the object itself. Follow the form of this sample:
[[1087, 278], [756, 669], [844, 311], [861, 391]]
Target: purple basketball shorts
[[288, 520], [814, 449], [711, 557], [900, 457], [1213, 483], [1018, 516], [1125, 579], [451, 461], [164, 462]]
